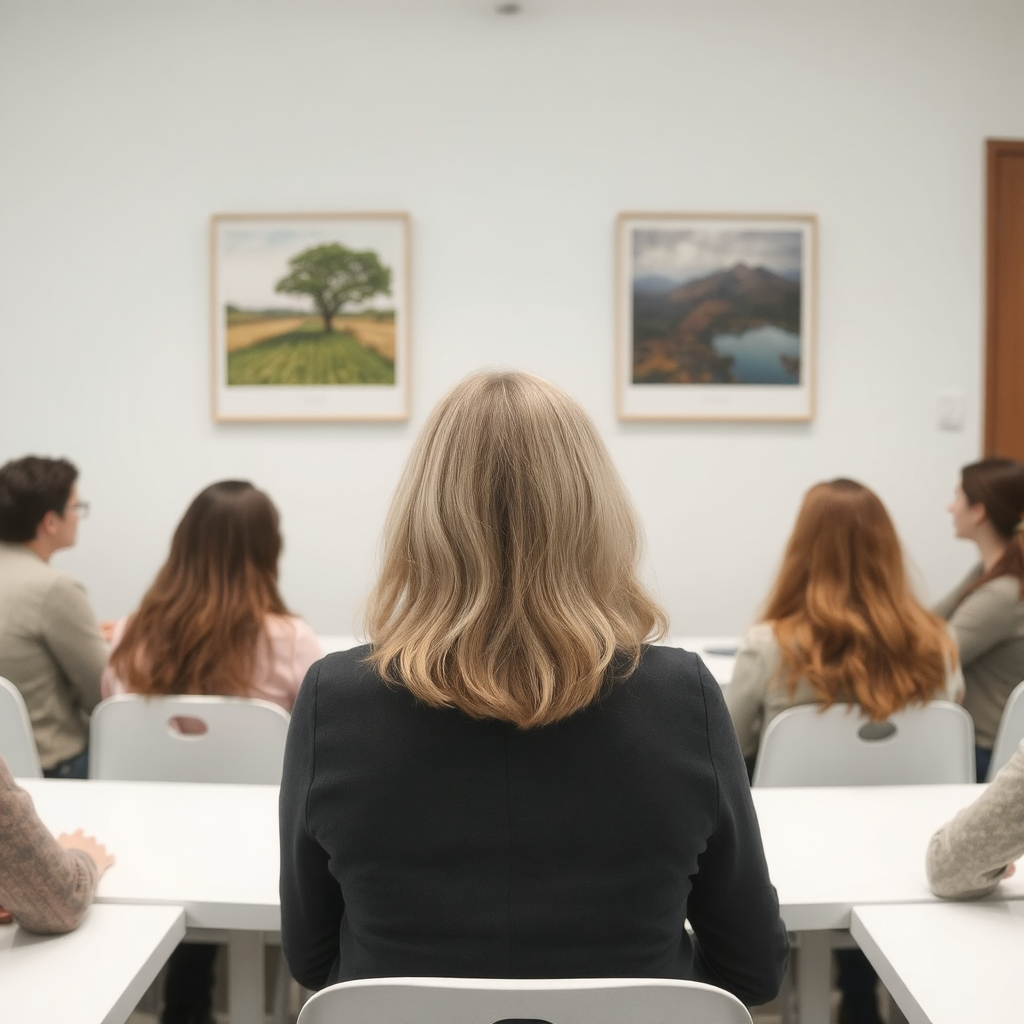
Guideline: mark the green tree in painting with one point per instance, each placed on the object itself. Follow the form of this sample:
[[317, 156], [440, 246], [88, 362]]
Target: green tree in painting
[[334, 276]]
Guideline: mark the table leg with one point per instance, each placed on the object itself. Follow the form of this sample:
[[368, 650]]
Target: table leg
[[245, 977], [814, 974]]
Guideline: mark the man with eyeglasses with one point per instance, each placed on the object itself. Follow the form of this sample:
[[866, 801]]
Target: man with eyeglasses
[[50, 644]]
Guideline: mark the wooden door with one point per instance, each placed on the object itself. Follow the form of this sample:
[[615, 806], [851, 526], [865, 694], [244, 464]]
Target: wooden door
[[1004, 364]]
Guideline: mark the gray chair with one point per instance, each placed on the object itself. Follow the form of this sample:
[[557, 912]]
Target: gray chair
[[484, 1001], [839, 746], [1010, 733], [17, 742]]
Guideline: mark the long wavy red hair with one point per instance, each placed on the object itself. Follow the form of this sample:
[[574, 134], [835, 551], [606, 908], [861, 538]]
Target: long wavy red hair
[[843, 612], [200, 624]]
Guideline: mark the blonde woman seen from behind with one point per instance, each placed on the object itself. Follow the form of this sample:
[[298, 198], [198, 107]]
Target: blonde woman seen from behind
[[509, 782]]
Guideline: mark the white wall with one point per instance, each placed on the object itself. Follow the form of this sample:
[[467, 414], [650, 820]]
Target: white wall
[[513, 142]]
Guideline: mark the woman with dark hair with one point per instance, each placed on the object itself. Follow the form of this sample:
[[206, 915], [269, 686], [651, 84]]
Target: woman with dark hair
[[841, 625], [986, 610], [510, 781], [213, 622]]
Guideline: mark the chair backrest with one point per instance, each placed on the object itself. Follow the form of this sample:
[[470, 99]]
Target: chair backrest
[[1011, 731], [17, 742], [486, 1001], [839, 746], [134, 737]]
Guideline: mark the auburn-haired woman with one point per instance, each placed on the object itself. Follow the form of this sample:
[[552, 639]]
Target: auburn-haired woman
[[213, 623], [986, 611], [841, 625], [509, 781]]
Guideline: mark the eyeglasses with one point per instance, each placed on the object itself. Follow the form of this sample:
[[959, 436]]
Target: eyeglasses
[[81, 507]]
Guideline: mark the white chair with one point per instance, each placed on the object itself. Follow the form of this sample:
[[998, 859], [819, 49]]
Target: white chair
[[486, 1001], [1011, 732], [133, 737], [839, 746], [17, 742]]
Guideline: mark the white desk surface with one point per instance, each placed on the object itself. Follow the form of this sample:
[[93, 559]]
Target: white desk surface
[[211, 849], [830, 849], [94, 975], [720, 665], [948, 963]]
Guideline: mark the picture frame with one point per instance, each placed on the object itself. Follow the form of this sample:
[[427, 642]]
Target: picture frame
[[716, 316], [309, 316]]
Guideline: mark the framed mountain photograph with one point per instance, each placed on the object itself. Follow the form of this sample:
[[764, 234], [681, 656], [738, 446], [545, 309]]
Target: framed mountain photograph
[[310, 316], [716, 316]]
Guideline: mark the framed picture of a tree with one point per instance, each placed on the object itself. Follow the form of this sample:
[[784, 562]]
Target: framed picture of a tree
[[716, 316], [310, 316]]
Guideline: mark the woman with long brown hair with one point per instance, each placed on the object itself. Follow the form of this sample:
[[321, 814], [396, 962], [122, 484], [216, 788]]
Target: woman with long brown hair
[[510, 781], [213, 622], [986, 610], [841, 625]]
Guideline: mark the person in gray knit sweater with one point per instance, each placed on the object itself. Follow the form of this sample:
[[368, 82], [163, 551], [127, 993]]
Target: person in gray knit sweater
[[969, 856], [46, 884], [986, 610]]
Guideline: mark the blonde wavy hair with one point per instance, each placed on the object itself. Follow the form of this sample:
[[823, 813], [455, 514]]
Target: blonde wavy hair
[[843, 611], [509, 584]]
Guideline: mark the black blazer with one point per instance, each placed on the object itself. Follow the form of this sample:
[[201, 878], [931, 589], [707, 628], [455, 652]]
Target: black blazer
[[417, 841]]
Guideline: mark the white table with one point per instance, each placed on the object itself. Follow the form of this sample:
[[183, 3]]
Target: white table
[[94, 975], [713, 649], [831, 849], [209, 849], [948, 963]]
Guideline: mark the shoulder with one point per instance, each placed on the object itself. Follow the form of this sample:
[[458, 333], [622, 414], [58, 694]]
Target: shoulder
[[997, 599], [288, 628], [761, 639], [343, 677], [670, 683], [1002, 588]]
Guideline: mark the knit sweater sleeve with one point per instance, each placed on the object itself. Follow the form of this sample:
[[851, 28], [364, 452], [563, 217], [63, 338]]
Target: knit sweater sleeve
[[46, 888], [967, 856]]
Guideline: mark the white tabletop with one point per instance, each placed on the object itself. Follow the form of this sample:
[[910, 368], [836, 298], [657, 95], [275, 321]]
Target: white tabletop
[[718, 652], [948, 963], [831, 849], [94, 975], [211, 849]]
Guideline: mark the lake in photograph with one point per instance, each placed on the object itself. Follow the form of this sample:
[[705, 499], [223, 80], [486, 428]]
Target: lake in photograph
[[762, 355]]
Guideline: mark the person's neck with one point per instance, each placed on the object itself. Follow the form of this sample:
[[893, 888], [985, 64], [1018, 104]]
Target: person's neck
[[40, 548], [992, 548]]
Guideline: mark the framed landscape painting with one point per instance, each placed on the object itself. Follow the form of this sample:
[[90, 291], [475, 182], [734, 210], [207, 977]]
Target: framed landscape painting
[[716, 316], [310, 316]]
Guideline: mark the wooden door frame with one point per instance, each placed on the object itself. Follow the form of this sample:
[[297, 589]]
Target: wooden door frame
[[994, 150]]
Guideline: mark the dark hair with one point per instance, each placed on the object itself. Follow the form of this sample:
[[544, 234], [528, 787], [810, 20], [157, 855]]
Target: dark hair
[[998, 484], [29, 488], [200, 623]]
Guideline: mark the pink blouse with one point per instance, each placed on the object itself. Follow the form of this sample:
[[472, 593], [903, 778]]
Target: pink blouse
[[280, 666]]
